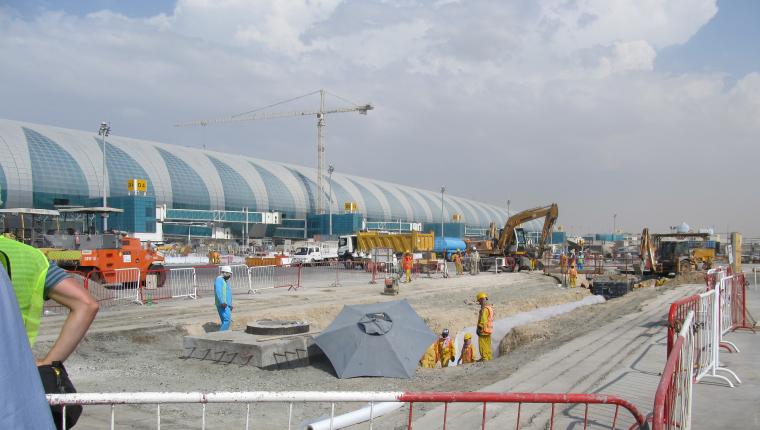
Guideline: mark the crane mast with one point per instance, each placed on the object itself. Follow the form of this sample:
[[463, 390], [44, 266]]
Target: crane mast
[[257, 114]]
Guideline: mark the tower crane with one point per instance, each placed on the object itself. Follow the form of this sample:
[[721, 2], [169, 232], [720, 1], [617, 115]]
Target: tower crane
[[260, 113]]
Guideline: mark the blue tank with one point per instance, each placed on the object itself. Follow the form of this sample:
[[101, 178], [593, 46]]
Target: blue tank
[[449, 244]]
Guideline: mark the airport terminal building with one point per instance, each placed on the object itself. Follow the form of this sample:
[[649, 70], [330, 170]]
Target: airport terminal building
[[46, 167]]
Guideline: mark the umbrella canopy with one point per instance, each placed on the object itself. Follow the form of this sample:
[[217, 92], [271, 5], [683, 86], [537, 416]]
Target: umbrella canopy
[[384, 339]]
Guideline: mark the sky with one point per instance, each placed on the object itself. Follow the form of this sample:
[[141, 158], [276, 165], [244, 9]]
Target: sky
[[638, 113]]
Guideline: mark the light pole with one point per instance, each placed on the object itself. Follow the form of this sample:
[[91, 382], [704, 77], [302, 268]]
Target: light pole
[[330, 171], [443, 190], [614, 224], [105, 130], [508, 202]]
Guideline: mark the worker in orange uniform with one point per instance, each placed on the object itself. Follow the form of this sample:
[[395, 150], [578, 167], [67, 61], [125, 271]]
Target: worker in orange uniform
[[485, 327], [457, 259], [445, 348], [467, 355], [430, 358], [572, 276], [407, 264]]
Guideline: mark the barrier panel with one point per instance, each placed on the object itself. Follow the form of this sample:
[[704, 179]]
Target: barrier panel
[[673, 399], [743, 320], [270, 277], [707, 333], [726, 310], [183, 283], [374, 398]]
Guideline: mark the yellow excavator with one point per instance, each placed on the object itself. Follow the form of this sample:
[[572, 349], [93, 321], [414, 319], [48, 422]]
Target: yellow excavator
[[512, 244]]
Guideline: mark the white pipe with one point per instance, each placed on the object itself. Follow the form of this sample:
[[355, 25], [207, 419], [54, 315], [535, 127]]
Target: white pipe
[[356, 417], [223, 397]]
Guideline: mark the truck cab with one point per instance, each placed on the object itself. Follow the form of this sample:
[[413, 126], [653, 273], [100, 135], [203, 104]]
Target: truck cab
[[348, 248]]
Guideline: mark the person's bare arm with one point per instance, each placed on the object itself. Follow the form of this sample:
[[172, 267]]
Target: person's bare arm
[[82, 310]]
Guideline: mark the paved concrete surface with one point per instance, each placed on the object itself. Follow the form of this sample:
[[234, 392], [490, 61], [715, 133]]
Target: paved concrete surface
[[715, 405], [624, 358]]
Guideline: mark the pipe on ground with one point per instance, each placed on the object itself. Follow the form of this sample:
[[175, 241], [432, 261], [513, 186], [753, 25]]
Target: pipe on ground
[[356, 417]]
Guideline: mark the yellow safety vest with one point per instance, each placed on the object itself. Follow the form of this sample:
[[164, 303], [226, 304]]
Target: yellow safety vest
[[27, 267]]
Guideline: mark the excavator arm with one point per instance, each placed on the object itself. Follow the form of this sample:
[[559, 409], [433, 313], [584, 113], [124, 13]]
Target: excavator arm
[[507, 236], [647, 251]]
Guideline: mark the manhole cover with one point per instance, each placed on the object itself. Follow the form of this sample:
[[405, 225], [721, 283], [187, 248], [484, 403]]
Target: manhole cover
[[277, 327]]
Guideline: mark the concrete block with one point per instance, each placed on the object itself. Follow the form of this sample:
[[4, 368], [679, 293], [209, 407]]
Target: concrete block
[[239, 347]]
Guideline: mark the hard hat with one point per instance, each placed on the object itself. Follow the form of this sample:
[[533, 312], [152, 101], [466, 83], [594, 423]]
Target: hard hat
[[445, 332], [407, 251], [467, 336], [458, 250], [225, 269], [473, 247], [481, 295]]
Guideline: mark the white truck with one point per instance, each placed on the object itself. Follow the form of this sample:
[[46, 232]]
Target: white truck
[[347, 248], [310, 253]]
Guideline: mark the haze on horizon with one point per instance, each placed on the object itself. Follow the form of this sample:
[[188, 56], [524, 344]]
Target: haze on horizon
[[645, 109]]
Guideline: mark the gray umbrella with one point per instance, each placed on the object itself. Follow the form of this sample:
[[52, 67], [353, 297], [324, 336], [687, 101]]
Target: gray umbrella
[[384, 339]]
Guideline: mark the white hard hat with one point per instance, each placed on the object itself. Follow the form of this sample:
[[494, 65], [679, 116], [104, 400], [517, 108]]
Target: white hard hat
[[225, 269]]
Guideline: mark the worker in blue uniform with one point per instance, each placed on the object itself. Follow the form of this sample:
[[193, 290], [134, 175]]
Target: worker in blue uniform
[[223, 297]]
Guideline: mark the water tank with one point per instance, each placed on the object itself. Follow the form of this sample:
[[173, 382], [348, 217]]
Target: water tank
[[683, 228], [450, 244]]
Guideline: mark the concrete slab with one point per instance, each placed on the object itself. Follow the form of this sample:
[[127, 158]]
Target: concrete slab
[[239, 347]]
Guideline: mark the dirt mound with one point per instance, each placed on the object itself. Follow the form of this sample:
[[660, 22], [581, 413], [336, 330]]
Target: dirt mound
[[523, 335]]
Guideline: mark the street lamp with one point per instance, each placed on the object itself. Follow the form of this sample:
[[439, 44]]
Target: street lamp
[[105, 130], [443, 190], [330, 171], [614, 224], [508, 202]]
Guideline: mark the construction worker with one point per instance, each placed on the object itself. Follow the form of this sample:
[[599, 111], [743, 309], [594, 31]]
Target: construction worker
[[457, 259], [445, 348], [581, 260], [430, 358], [407, 264], [572, 276], [474, 261], [34, 280], [24, 404], [485, 327], [467, 355], [223, 297]]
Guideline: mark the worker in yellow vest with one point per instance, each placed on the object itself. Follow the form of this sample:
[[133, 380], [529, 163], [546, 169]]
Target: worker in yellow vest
[[457, 259], [485, 327], [445, 348], [572, 276], [34, 280], [467, 355], [430, 358]]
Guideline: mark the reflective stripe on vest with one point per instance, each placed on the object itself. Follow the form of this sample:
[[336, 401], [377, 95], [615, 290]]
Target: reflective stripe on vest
[[488, 329], [27, 268]]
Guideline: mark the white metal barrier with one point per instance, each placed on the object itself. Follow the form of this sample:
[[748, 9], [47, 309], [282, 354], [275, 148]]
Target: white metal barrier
[[183, 282], [126, 285], [261, 278], [673, 399], [709, 332], [727, 294], [683, 378], [247, 398]]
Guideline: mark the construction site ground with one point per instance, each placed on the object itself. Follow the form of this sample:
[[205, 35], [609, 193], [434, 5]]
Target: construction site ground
[[617, 347]]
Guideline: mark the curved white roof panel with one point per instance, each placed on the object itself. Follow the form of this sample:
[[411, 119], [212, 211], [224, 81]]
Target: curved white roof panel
[[41, 164]]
